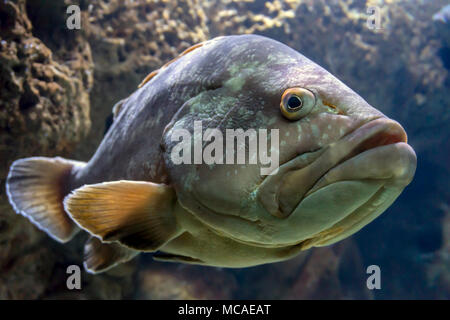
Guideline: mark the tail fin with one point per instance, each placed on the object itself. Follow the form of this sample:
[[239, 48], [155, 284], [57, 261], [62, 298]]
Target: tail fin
[[36, 188]]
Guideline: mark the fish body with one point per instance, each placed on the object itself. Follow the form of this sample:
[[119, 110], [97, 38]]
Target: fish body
[[339, 163]]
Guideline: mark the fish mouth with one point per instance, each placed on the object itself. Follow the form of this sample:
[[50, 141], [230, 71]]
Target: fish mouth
[[345, 186], [360, 176], [379, 151]]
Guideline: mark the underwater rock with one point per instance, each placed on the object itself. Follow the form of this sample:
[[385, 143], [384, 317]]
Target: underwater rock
[[129, 39], [44, 101], [44, 110], [176, 281], [438, 270], [29, 275], [335, 272]]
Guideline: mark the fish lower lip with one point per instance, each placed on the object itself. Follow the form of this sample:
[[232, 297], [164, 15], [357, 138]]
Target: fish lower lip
[[394, 164]]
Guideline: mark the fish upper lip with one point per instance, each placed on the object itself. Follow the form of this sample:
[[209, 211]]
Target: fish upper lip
[[372, 134]]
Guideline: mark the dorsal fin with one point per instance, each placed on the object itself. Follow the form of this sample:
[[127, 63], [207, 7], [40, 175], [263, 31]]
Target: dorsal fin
[[155, 72], [117, 108], [148, 77]]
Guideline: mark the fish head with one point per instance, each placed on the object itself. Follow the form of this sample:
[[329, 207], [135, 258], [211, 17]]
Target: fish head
[[336, 162]]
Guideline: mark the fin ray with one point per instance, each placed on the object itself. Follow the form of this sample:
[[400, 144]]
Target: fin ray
[[137, 214], [100, 257], [36, 188]]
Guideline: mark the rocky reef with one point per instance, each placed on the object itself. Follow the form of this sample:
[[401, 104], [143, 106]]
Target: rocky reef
[[44, 110], [130, 38], [44, 101], [58, 86]]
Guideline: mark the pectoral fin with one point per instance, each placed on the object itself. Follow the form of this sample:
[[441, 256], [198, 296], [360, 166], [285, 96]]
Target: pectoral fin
[[137, 214]]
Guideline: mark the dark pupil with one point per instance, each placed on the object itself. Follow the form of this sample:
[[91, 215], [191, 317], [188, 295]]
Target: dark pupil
[[294, 102]]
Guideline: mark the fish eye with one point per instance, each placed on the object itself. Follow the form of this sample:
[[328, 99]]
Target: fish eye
[[297, 103]]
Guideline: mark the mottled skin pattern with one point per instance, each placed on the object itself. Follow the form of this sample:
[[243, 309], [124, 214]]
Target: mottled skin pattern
[[231, 215]]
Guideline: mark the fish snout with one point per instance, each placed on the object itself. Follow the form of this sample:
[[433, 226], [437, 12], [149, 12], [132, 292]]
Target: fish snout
[[377, 150]]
